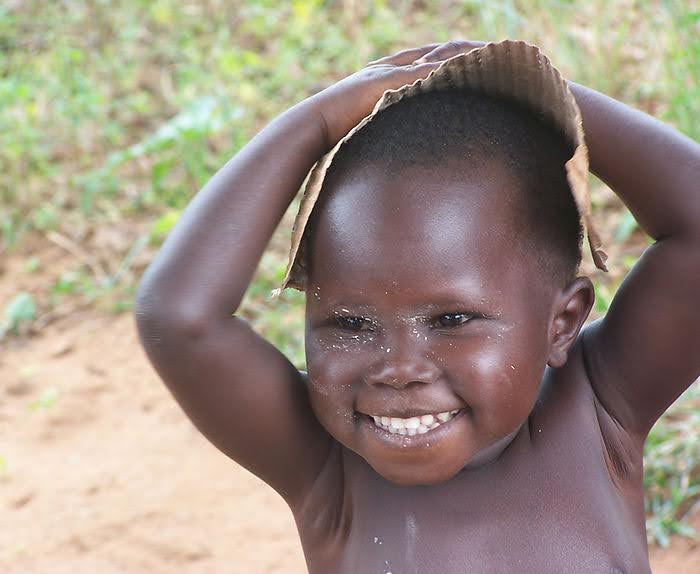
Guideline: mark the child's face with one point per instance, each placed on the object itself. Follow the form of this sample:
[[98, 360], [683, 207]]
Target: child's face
[[420, 303]]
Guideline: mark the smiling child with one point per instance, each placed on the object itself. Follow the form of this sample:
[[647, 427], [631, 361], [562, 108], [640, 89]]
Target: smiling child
[[456, 416]]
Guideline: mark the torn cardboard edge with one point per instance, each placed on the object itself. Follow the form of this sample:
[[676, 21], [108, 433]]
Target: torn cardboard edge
[[512, 70]]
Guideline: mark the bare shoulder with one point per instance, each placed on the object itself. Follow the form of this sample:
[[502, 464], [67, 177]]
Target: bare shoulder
[[325, 514], [244, 395], [569, 402]]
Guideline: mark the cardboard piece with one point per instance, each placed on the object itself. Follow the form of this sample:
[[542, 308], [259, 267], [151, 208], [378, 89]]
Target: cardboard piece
[[509, 69]]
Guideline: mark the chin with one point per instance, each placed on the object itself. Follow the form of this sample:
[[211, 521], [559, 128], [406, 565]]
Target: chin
[[402, 480], [406, 474]]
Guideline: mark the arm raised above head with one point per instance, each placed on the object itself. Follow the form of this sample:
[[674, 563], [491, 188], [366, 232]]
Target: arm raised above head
[[646, 351], [240, 391]]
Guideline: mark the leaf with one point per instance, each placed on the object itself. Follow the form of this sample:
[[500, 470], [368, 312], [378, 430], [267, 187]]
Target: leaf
[[162, 226], [20, 311], [628, 224], [46, 400], [202, 116]]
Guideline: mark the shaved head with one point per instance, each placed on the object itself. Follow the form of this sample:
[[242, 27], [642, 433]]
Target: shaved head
[[456, 134]]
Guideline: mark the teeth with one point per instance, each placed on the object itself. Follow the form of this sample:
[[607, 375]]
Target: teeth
[[413, 425]]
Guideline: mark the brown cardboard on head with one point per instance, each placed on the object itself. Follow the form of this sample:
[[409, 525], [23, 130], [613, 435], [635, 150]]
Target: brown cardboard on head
[[509, 69]]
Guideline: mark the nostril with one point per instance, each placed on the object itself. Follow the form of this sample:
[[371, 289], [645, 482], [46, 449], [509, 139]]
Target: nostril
[[400, 374], [396, 383]]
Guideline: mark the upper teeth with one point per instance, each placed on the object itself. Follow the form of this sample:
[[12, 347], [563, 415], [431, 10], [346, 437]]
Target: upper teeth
[[413, 425]]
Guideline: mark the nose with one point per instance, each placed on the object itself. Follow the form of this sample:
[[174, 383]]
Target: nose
[[404, 360]]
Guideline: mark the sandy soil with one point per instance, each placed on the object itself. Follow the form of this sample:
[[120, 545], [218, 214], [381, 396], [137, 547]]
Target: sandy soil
[[112, 477]]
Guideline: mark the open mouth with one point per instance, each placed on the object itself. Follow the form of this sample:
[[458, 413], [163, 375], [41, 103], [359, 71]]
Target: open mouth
[[414, 425]]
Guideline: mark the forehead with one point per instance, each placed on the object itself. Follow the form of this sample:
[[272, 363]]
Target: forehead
[[416, 226]]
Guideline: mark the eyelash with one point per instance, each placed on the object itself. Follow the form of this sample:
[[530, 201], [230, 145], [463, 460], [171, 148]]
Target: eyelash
[[358, 324], [464, 318]]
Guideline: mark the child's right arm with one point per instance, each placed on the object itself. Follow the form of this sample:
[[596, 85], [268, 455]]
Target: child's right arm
[[238, 389]]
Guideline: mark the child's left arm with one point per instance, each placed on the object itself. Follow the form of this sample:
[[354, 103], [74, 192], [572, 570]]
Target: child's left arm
[[646, 351]]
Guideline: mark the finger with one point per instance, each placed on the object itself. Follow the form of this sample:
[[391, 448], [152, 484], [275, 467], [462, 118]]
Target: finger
[[447, 50], [411, 72], [404, 56]]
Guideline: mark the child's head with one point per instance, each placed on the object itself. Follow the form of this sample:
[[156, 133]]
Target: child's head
[[441, 257], [453, 133]]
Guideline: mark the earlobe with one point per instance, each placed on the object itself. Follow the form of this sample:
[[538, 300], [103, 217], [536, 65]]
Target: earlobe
[[570, 310]]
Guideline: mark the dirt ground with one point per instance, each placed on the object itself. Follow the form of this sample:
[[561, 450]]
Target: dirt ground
[[111, 477]]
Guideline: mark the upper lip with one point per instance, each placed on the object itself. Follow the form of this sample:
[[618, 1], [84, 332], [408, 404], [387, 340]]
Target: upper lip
[[407, 414]]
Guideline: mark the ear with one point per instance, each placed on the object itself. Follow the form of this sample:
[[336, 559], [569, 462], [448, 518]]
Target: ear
[[571, 307]]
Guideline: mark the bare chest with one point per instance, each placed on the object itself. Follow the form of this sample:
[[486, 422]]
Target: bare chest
[[548, 504]]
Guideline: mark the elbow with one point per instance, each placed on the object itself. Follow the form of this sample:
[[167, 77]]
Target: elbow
[[158, 314]]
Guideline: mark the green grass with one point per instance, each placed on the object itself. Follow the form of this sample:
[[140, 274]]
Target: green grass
[[671, 469], [113, 114]]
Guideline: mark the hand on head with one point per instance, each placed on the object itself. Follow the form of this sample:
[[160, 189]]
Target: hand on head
[[344, 104]]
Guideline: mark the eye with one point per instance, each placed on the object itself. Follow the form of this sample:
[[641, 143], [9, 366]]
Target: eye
[[452, 320], [350, 323]]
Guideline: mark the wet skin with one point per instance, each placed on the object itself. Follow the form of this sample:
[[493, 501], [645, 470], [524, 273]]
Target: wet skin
[[420, 302], [542, 469]]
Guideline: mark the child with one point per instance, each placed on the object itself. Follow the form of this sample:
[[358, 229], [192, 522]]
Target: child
[[455, 416]]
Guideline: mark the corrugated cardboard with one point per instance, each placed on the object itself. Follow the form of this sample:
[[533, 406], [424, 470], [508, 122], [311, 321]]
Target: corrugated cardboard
[[513, 70]]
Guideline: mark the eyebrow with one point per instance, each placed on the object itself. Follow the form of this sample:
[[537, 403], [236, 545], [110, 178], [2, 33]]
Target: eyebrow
[[345, 306], [463, 291], [441, 302]]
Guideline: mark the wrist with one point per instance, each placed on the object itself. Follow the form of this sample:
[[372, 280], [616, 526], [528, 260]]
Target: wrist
[[312, 116]]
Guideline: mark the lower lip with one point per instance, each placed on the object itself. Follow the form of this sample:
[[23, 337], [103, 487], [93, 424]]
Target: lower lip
[[415, 440]]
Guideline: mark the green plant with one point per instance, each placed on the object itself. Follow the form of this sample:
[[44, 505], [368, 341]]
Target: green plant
[[672, 469], [19, 314], [113, 114], [46, 399]]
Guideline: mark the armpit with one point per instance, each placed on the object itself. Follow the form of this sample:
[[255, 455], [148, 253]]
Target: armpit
[[623, 454]]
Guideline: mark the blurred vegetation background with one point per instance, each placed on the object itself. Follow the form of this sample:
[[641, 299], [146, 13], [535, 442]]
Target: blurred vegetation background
[[114, 113]]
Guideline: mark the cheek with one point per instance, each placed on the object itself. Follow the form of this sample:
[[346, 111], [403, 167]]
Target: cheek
[[334, 359], [500, 378], [327, 366], [331, 389]]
